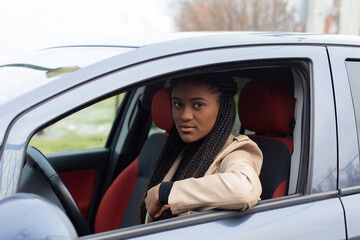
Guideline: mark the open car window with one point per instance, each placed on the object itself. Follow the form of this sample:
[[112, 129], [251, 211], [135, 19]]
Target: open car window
[[89, 128]]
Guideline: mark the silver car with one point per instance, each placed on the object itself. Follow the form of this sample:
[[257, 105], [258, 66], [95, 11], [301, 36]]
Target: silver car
[[79, 136]]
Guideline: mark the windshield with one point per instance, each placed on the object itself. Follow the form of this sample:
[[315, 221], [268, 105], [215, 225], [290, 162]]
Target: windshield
[[47, 65]]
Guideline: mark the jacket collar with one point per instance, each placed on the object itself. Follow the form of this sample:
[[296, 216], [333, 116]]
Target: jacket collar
[[230, 145]]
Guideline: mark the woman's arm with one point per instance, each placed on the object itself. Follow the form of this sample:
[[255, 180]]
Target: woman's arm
[[154, 207], [235, 186]]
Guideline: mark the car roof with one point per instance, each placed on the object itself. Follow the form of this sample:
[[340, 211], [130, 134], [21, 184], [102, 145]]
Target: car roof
[[241, 38], [155, 46]]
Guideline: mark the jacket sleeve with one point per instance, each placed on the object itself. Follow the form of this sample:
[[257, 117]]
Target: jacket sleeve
[[236, 185]]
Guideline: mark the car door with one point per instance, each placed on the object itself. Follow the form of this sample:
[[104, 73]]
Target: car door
[[345, 64], [312, 208]]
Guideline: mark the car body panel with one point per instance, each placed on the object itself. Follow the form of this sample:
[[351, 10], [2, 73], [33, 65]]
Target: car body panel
[[322, 152], [352, 212], [349, 164], [297, 222], [323, 219]]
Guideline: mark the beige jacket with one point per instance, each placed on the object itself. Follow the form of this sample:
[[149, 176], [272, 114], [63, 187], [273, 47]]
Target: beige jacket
[[231, 182]]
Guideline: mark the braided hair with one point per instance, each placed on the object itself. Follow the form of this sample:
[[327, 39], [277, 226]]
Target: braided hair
[[207, 149]]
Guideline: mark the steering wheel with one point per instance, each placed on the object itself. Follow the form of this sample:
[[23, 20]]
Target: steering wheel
[[37, 160]]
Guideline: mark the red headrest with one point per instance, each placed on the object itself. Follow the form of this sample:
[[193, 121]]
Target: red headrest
[[161, 109], [266, 106]]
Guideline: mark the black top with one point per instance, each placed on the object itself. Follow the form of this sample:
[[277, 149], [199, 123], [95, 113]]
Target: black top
[[165, 187]]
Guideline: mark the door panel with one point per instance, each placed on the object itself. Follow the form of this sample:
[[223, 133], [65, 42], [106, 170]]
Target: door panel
[[352, 212], [83, 172], [314, 220]]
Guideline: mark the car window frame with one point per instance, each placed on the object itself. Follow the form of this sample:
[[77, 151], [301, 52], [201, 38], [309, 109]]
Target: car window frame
[[109, 84], [348, 146]]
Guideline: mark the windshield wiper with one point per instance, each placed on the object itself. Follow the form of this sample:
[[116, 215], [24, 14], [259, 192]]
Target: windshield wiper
[[50, 72]]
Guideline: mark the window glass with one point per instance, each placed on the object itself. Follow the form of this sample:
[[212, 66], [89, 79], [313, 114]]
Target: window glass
[[353, 70], [155, 129], [87, 128], [30, 72]]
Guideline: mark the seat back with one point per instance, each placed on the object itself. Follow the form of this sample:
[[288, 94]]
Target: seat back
[[120, 205], [267, 108]]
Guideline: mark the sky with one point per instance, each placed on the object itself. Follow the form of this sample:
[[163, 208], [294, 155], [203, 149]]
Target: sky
[[29, 25]]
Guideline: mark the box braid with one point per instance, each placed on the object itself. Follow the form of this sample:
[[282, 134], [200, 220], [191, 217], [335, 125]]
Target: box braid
[[212, 143]]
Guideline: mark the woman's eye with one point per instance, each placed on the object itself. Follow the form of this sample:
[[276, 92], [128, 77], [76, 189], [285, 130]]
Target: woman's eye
[[176, 104], [198, 105]]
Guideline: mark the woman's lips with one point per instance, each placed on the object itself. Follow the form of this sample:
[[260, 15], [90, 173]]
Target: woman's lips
[[186, 128]]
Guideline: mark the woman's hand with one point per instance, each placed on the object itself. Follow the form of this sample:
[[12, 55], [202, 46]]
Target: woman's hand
[[153, 205]]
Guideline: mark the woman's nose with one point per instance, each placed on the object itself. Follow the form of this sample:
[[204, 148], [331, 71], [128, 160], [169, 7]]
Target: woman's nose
[[186, 114]]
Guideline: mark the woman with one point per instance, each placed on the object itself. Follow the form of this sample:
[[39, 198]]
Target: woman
[[202, 165]]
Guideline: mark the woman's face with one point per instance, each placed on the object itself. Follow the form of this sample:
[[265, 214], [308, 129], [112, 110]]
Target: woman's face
[[194, 109]]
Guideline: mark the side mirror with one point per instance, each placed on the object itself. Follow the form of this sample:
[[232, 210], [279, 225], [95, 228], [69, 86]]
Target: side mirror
[[28, 216]]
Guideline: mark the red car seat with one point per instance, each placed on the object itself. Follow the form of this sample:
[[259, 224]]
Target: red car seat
[[267, 108], [120, 204]]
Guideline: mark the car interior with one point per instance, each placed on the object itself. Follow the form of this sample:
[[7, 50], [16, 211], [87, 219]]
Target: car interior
[[108, 183]]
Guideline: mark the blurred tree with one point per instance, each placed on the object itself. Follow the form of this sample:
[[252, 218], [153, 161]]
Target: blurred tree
[[243, 15], [332, 21]]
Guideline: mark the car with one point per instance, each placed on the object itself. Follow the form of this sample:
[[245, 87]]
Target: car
[[81, 127]]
